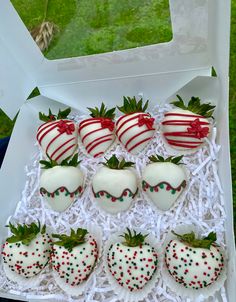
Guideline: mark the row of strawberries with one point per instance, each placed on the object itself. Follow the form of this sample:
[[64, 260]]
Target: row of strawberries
[[131, 261], [183, 128]]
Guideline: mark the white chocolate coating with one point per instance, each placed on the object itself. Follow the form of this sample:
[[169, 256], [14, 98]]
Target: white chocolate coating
[[27, 260], [57, 145], [175, 127], [95, 139], [131, 135], [132, 267], [75, 267], [193, 267], [164, 173], [57, 178], [119, 184]]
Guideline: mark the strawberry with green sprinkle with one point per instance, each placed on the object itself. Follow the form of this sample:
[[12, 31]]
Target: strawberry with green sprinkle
[[132, 262], [27, 251], [61, 184], [135, 128], [186, 127], [194, 263], [97, 132], [115, 185], [57, 136], [74, 256], [163, 180]]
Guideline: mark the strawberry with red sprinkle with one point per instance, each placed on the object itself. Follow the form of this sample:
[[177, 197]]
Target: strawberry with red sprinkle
[[27, 251], [132, 262], [74, 257], [194, 263]]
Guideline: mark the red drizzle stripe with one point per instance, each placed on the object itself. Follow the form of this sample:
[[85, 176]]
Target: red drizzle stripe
[[127, 129], [97, 139], [103, 141], [88, 124], [183, 134], [128, 120], [178, 141], [182, 123], [45, 133], [45, 126], [184, 114], [139, 143], [60, 155], [91, 132], [125, 115], [88, 120], [53, 140], [98, 154], [61, 146], [185, 145], [135, 136]]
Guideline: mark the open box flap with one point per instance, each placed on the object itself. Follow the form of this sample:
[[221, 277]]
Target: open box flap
[[198, 27]]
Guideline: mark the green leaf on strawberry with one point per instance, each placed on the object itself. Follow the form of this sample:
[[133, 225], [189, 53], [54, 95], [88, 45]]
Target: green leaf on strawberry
[[191, 240], [102, 112], [115, 163], [171, 159], [195, 106], [67, 162], [70, 241], [131, 105], [134, 239], [53, 117], [25, 233]]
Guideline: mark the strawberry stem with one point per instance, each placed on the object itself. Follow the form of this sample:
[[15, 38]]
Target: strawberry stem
[[171, 159], [115, 163], [131, 105], [53, 117], [134, 239], [102, 112], [191, 240]]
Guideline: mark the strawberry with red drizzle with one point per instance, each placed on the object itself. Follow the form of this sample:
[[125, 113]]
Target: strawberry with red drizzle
[[194, 263], [97, 132], [135, 128], [60, 184], [186, 128], [27, 251], [74, 257], [132, 262], [115, 185], [57, 136]]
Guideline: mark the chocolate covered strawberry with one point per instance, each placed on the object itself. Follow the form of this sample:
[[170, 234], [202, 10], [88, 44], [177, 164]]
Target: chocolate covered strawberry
[[194, 263], [115, 185], [132, 261], [163, 180], [186, 127], [57, 136], [60, 184], [74, 257], [27, 251], [135, 128], [97, 132]]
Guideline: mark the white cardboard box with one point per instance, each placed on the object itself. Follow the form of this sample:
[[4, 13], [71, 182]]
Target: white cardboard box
[[201, 30]]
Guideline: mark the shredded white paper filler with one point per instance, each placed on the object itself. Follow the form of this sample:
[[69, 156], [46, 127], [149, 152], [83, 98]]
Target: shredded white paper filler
[[201, 204]]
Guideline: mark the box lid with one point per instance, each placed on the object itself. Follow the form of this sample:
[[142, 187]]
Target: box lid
[[201, 31]]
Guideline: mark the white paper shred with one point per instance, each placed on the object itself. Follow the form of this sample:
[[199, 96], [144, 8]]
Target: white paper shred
[[202, 204]]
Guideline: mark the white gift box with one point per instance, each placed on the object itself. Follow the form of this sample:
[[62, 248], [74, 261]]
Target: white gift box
[[201, 30]]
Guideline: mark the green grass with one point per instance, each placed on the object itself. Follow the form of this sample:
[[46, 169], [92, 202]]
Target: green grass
[[105, 25]]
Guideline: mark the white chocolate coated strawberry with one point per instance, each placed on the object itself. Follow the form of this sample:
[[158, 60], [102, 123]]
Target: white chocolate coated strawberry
[[27, 260], [58, 139], [163, 182], [114, 190], [61, 185], [132, 267], [191, 267], [76, 266], [97, 135], [185, 130], [135, 131]]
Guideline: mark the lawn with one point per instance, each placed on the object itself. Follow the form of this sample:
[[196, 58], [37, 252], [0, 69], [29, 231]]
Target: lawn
[[105, 25]]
